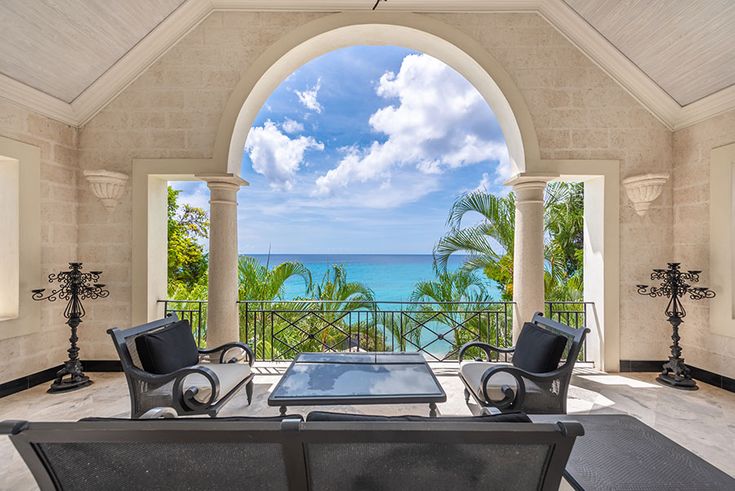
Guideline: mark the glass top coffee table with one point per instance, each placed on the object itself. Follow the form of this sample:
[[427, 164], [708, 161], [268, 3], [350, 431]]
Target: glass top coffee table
[[315, 379]]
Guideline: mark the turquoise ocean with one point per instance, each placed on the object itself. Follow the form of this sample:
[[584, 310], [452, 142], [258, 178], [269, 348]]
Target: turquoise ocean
[[391, 276]]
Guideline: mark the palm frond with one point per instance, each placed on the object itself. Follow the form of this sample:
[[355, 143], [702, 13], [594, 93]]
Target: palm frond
[[471, 240]]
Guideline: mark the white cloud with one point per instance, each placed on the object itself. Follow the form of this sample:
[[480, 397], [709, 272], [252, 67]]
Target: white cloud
[[484, 183], [308, 98], [291, 126], [504, 171], [440, 122], [277, 156]]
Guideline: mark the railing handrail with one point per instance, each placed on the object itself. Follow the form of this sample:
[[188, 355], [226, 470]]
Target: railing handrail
[[576, 302], [278, 329], [390, 302], [168, 300], [382, 301]]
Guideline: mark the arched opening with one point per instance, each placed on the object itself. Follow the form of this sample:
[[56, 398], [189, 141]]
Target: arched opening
[[414, 32], [410, 31], [458, 51]]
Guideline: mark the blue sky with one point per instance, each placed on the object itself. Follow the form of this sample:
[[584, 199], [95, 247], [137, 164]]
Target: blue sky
[[363, 150]]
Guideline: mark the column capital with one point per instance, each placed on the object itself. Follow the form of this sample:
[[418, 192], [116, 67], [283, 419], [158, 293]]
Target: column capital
[[530, 179], [223, 180], [529, 187]]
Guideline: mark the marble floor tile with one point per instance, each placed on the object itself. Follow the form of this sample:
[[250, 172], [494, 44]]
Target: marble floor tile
[[702, 421]]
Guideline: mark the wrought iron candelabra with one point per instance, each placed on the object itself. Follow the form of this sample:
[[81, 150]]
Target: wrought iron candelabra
[[675, 284], [75, 286]]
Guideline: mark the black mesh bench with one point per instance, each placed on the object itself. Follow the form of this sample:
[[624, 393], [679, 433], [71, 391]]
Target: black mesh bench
[[294, 455], [619, 452]]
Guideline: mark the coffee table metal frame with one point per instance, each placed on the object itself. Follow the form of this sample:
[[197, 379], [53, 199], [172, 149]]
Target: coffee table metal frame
[[361, 399]]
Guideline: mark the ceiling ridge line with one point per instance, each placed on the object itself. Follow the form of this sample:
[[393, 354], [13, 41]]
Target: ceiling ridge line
[[190, 14], [138, 59], [611, 61]]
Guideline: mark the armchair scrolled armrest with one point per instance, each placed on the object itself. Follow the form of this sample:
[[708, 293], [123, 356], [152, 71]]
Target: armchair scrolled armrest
[[225, 348], [161, 412], [511, 399], [186, 396], [486, 347]]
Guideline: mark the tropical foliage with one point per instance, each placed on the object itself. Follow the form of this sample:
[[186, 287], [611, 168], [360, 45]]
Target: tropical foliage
[[260, 282], [187, 225], [459, 309], [489, 244], [564, 221], [344, 295], [321, 320], [453, 307]]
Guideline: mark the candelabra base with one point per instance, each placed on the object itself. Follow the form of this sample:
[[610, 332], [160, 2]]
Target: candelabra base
[[69, 378], [677, 375]]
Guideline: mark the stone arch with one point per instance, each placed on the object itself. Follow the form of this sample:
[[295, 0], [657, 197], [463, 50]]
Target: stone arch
[[412, 31]]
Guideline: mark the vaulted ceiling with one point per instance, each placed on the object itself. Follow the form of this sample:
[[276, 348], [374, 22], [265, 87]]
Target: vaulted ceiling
[[68, 58], [686, 46], [62, 47]]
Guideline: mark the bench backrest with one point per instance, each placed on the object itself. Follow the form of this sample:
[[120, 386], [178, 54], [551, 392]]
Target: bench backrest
[[293, 455]]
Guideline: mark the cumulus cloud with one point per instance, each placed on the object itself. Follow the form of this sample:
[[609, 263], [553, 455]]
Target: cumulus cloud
[[440, 122], [277, 156], [308, 97], [485, 183], [291, 126]]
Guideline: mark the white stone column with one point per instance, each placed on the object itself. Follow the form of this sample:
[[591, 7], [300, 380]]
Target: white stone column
[[222, 313], [528, 248]]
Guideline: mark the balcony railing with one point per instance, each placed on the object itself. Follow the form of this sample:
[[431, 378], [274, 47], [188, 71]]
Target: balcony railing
[[573, 314], [279, 330]]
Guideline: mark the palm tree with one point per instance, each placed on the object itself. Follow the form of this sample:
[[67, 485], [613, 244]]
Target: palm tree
[[260, 282], [332, 302], [490, 243], [347, 295], [564, 219], [264, 285], [447, 294], [451, 286]]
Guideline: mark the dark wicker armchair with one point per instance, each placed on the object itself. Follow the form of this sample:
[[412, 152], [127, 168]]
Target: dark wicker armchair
[[505, 386], [199, 389]]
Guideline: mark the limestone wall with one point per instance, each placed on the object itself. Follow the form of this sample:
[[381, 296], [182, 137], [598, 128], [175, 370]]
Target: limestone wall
[[173, 109], [23, 355], [691, 150], [579, 112]]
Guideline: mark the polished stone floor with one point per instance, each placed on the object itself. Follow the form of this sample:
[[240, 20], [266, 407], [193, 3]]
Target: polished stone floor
[[702, 421]]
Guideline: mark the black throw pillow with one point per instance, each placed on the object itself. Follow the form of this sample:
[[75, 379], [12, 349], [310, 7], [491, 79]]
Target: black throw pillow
[[538, 350], [168, 349], [512, 417]]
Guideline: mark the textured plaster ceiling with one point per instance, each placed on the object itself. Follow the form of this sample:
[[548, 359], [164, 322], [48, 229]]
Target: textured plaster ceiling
[[687, 47], [61, 47], [68, 58]]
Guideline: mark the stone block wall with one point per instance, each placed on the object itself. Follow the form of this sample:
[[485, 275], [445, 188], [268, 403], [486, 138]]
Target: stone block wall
[[692, 148], [579, 112], [23, 355], [173, 110]]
